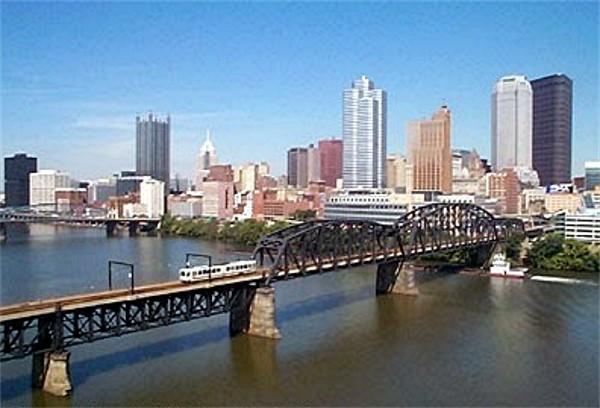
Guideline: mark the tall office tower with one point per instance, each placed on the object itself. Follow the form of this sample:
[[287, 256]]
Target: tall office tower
[[153, 147], [364, 130], [313, 163], [298, 167], [511, 123], [43, 185], [552, 112], [206, 157], [429, 152], [331, 152], [16, 179]]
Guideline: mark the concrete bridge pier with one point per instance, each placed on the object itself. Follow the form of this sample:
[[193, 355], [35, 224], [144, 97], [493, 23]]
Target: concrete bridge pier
[[486, 253], [50, 372], [2, 231], [253, 313], [111, 227], [392, 277], [133, 228]]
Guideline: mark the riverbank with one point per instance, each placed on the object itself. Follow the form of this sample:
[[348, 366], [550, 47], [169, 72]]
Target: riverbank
[[246, 233]]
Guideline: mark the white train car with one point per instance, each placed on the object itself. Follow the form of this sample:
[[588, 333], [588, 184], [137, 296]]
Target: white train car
[[205, 272]]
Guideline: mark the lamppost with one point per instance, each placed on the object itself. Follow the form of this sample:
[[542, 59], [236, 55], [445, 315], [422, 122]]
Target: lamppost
[[130, 274]]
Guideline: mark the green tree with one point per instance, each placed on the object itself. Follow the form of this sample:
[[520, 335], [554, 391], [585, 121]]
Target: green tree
[[554, 252], [513, 247], [544, 249], [303, 215]]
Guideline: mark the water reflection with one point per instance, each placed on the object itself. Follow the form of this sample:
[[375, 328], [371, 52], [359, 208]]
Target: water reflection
[[465, 340]]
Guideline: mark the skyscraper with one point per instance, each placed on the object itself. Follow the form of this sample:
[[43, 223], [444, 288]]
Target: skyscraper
[[298, 167], [16, 179], [206, 157], [153, 147], [429, 152], [313, 164], [331, 152], [552, 112], [364, 131], [511, 123]]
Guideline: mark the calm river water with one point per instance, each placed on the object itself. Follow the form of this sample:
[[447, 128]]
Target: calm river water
[[465, 340]]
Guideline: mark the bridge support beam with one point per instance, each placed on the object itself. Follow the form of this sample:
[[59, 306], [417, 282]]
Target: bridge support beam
[[253, 313], [392, 277], [111, 226], [486, 253], [50, 372], [133, 228]]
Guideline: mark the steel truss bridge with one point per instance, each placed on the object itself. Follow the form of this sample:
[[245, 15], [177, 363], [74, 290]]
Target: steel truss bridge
[[313, 247], [320, 245]]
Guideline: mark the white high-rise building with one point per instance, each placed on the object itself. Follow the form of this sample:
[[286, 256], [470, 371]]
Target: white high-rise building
[[152, 197], [43, 185], [206, 158], [364, 131], [512, 124]]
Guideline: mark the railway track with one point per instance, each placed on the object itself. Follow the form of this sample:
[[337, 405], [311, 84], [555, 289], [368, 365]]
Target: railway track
[[82, 298]]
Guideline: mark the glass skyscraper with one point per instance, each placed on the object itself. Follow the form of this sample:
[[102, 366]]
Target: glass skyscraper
[[512, 107], [16, 175], [552, 111], [153, 147], [298, 167], [364, 130]]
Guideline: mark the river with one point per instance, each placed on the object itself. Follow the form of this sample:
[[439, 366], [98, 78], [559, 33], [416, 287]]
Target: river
[[465, 340]]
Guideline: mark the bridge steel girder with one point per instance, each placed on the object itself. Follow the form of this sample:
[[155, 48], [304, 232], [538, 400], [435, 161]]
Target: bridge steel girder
[[60, 329], [317, 245]]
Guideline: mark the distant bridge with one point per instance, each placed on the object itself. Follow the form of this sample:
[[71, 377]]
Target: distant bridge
[[46, 328], [133, 224]]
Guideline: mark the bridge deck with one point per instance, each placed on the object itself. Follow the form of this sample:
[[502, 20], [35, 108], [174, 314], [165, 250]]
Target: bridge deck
[[87, 300]]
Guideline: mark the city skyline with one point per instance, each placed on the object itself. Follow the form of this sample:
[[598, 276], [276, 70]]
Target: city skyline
[[67, 116]]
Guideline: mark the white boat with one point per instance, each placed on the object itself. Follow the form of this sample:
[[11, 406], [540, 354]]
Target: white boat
[[501, 267], [205, 272]]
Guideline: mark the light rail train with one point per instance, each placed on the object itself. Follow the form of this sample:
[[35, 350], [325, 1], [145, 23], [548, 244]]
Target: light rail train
[[204, 272]]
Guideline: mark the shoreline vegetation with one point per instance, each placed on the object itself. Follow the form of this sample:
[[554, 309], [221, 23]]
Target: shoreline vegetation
[[246, 233], [552, 252], [555, 252]]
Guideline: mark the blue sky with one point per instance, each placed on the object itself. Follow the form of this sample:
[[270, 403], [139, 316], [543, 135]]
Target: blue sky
[[267, 76]]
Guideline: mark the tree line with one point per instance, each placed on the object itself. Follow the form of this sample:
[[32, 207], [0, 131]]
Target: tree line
[[551, 252], [246, 232]]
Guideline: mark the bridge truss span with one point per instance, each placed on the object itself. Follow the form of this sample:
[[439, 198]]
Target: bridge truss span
[[322, 245]]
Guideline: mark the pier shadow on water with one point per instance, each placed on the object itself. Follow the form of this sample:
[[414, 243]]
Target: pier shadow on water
[[81, 371]]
